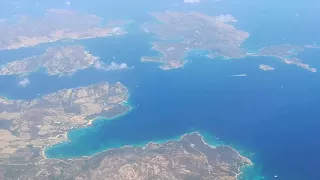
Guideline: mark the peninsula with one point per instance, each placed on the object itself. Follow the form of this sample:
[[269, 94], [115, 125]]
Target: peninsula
[[188, 158], [179, 33], [59, 61], [287, 53], [54, 25], [27, 126]]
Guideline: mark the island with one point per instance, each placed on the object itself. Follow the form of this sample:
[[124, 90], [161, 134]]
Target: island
[[28, 126], [287, 53], [188, 158], [265, 67], [56, 24], [179, 33], [59, 61]]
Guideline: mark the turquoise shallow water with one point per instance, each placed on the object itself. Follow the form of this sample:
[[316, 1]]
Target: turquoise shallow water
[[269, 124], [275, 127], [252, 113]]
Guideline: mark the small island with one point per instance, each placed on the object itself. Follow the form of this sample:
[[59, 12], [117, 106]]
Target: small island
[[287, 53], [180, 33], [265, 67], [59, 61], [54, 25], [188, 158], [28, 126]]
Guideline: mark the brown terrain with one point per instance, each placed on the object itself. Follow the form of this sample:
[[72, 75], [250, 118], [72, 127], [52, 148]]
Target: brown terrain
[[287, 53], [190, 158], [58, 61], [55, 25], [27, 126], [180, 33]]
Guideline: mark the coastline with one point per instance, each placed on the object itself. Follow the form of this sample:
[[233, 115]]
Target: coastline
[[177, 138], [244, 171], [246, 159], [43, 149], [213, 147], [214, 144], [126, 104], [90, 122]]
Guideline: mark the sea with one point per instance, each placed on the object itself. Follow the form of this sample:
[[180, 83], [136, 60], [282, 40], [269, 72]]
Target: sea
[[270, 117]]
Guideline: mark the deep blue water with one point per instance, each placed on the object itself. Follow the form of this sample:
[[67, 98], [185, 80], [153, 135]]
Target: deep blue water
[[272, 117], [276, 127]]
